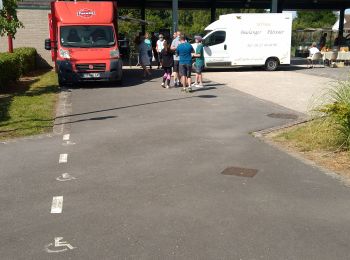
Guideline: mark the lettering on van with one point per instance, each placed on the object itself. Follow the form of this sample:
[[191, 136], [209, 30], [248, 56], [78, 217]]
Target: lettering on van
[[275, 32], [260, 45], [250, 32], [86, 13]]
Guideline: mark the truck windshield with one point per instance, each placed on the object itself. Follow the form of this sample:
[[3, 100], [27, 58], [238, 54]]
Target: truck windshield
[[87, 36]]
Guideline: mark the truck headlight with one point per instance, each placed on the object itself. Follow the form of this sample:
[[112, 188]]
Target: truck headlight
[[114, 53], [64, 54]]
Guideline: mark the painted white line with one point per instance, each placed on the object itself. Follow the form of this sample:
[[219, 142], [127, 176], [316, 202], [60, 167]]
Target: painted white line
[[66, 137], [66, 143], [65, 177], [57, 204], [63, 158]]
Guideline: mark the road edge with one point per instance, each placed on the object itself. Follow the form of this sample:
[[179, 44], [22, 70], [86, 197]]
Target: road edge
[[64, 108], [261, 135]]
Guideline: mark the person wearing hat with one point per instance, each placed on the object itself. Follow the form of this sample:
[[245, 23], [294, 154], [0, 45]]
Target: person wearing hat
[[199, 63]]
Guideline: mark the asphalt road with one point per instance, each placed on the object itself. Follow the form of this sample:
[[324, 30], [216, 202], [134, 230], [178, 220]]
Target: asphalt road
[[147, 164]]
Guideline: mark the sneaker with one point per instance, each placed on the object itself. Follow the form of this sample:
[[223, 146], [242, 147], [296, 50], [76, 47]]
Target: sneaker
[[183, 90], [163, 85], [167, 86], [176, 84], [199, 86], [194, 84]]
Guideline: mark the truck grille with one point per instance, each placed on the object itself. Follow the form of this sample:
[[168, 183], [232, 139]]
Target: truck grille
[[91, 67]]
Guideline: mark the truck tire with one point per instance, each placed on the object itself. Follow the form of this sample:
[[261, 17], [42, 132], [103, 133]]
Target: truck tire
[[271, 64], [61, 83]]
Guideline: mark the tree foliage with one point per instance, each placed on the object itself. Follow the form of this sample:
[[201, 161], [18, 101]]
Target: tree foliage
[[191, 22], [9, 22], [312, 19]]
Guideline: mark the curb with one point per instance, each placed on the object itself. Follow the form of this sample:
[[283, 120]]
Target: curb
[[64, 108]]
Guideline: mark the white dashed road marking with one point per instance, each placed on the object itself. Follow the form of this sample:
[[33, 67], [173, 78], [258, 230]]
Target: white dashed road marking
[[57, 204], [66, 137], [63, 158], [65, 177]]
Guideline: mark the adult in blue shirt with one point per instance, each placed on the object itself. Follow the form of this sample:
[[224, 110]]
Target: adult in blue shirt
[[184, 51]]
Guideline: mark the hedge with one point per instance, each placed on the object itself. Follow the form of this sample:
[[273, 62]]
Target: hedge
[[28, 57], [13, 65], [10, 69]]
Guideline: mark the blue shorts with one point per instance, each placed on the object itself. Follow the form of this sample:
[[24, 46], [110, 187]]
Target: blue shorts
[[198, 69]]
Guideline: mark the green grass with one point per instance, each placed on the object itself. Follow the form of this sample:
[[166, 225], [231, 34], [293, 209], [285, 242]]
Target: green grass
[[317, 135], [28, 107]]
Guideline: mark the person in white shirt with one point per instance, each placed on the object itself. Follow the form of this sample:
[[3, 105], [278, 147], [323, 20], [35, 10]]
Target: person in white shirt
[[312, 51], [160, 47]]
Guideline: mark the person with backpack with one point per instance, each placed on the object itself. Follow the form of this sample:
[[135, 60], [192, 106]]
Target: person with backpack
[[167, 61]]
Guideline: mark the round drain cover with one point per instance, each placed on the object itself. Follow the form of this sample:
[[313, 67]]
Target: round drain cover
[[241, 172]]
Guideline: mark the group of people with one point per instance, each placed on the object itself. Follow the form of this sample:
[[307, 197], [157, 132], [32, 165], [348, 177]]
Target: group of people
[[176, 58], [317, 48], [339, 41]]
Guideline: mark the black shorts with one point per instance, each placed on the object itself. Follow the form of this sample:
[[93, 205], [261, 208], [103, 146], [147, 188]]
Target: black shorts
[[176, 66], [185, 70]]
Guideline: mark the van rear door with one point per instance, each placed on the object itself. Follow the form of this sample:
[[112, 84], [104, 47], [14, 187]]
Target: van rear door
[[216, 49]]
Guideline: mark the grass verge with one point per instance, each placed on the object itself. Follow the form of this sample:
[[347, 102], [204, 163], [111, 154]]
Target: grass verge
[[28, 107], [318, 140]]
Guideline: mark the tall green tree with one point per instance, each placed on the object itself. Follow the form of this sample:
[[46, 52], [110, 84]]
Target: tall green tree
[[312, 19]]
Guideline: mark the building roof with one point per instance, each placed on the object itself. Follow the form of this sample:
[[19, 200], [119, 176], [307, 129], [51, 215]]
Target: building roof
[[346, 23], [263, 4]]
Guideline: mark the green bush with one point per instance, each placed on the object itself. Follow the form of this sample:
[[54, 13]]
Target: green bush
[[13, 65], [28, 57], [337, 108], [10, 69]]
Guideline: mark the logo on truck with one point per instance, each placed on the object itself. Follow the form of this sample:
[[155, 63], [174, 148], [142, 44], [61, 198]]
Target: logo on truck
[[86, 13]]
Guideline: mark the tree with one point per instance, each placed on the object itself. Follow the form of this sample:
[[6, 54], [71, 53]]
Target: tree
[[191, 22], [312, 19], [9, 22]]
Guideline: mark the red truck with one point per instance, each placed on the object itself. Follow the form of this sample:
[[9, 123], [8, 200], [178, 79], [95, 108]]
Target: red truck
[[83, 41]]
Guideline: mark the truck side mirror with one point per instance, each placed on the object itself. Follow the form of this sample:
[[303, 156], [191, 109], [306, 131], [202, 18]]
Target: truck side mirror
[[47, 44]]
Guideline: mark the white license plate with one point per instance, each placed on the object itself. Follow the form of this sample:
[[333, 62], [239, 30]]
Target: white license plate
[[91, 75]]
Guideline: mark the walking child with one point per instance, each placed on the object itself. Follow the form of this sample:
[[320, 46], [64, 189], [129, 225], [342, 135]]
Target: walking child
[[167, 61], [199, 64]]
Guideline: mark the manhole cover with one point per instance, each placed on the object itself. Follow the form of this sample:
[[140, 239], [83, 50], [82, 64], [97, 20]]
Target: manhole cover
[[283, 116], [206, 96], [242, 172]]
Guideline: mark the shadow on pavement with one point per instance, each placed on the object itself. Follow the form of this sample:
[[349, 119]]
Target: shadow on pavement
[[137, 105], [132, 78]]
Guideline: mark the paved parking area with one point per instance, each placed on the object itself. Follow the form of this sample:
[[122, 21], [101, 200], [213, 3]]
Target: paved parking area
[[295, 87], [136, 174]]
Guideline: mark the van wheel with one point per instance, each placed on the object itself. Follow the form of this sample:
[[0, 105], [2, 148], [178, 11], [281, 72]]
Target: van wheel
[[271, 64]]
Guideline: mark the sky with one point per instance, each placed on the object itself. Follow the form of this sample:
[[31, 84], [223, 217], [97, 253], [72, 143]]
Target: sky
[[295, 13]]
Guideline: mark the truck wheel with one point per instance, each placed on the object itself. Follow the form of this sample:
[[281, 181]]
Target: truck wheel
[[61, 83], [271, 64]]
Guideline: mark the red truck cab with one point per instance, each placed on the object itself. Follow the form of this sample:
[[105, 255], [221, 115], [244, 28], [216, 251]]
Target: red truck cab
[[83, 41]]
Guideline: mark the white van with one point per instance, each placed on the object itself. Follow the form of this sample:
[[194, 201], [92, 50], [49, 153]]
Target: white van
[[249, 40]]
